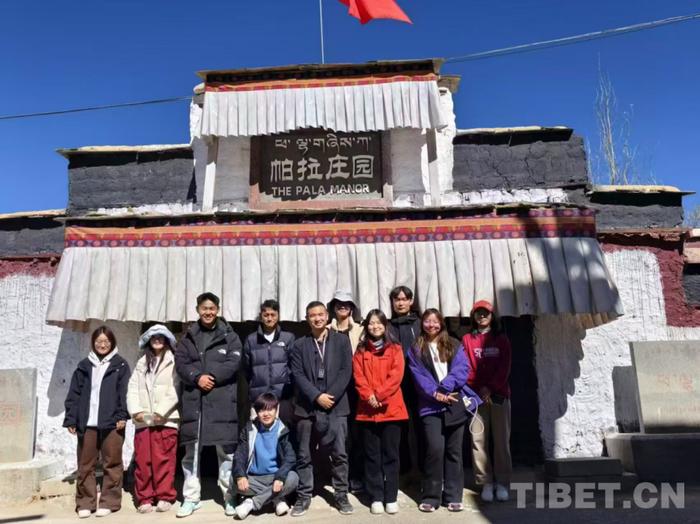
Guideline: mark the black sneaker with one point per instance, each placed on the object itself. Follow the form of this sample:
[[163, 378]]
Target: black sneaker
[[343, 504], [301, 506]]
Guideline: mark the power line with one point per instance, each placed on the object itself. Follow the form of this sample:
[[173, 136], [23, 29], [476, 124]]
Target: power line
[[97, 108], [524, 48], [568, 40]]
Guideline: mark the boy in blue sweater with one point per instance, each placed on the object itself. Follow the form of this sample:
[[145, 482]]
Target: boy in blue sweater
[[264, 460]]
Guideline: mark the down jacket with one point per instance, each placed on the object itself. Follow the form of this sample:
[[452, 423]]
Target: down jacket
[[159, 397], [267, 364], [217, 408], [380, 374], [112, 395]]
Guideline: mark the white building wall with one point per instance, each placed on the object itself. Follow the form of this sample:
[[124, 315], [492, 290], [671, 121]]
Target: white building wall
[[27, 342], [584, 376]]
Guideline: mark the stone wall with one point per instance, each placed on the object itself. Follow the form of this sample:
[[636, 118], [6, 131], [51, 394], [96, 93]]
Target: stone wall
[[509, 161], [586, 382], [130, 178], [31, 236]]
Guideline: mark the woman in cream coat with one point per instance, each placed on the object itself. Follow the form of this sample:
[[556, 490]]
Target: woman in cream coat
[[152, 401]]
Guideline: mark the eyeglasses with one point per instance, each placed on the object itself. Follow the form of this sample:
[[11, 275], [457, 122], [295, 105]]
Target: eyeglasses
[[342, 305], [103, 344]]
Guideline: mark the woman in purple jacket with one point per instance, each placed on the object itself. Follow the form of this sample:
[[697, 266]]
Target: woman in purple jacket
[[440, 370]]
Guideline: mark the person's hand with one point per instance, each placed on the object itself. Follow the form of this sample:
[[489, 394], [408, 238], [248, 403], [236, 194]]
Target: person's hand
[[138, 417], [452, 397], [485, 394], [158, 420], [121, 424], [206, 382], [242, 484], [326, 401], [71, 430], [277, 486], [374, 402], [441, 397]]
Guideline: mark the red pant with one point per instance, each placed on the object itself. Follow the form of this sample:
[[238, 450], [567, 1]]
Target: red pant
[[155, 451]]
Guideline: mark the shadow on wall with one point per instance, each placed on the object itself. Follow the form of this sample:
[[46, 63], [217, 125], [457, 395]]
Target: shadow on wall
[[72, 348], [557, 361], [625, 389]]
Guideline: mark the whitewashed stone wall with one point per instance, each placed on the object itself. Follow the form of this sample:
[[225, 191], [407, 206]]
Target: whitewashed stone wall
[[584, 376], [27, 342]]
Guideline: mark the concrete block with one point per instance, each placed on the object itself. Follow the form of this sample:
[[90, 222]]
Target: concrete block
[[17, 414], [669, 398], [60, 486], [585, 467], [657, 458], [21, 481]]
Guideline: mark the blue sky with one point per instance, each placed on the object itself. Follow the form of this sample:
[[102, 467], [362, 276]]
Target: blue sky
[[60, 54]]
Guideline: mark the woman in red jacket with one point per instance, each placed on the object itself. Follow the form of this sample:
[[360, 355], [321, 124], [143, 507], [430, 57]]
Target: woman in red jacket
[[489, 354], [378, 366]]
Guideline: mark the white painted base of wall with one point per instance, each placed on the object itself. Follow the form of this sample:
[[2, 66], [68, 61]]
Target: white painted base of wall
[[26, 341], [583, 376]]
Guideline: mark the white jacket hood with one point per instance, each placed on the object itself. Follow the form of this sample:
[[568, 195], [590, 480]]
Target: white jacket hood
[[158, 329]]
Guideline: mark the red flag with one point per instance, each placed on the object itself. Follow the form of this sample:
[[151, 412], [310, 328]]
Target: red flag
[[366, 10]]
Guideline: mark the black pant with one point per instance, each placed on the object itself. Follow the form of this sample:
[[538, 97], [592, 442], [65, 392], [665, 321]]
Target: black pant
[[443, 473], [307, 439], [382, 443]]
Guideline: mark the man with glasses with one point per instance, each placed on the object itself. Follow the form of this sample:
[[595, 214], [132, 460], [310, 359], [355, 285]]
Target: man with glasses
[[322, 368]]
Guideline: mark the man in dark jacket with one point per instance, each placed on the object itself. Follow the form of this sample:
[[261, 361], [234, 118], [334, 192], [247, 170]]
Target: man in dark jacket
[[322, 369], [405, 327], [207, 360], [265, 460], [266, 360]]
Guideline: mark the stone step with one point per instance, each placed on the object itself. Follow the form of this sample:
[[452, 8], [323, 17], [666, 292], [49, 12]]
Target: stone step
[[582, 467], [59, 486], [672, 457], [21, 481]]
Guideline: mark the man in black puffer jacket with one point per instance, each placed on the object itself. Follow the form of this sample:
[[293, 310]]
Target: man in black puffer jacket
[[266, 360], [207, 360]]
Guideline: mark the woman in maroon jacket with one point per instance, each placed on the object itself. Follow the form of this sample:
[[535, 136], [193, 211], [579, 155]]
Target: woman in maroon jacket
[[489, 354], [378, 367]]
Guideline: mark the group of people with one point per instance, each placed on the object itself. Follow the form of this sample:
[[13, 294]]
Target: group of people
[[347, 389]]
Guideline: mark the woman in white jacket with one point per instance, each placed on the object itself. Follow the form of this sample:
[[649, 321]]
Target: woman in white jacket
[[152, 401]]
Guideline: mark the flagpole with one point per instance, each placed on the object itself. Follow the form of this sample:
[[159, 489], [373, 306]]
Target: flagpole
[[320, 16]]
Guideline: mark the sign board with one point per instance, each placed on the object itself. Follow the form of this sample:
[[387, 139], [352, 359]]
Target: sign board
[[668, 383], [318, 166], [17, 414]]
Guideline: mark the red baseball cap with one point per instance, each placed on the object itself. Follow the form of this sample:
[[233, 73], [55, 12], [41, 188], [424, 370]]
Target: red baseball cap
[[485, 304]]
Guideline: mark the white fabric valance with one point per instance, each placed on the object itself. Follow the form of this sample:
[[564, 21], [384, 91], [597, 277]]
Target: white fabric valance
[[521, 276], [355, 105]]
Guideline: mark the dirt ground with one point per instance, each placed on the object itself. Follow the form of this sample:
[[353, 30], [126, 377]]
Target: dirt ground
[[60, 511]]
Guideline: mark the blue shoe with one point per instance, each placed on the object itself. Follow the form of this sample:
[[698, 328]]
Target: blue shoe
[[187, 508], [229, 508]]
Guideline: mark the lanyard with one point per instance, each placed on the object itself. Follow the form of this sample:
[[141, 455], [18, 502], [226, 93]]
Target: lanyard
[[321, 349]]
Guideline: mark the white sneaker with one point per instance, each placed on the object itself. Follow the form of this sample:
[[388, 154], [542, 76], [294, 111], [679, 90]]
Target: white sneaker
[[376, 508], [487, 492], [103, 512], [282, 508], [145, 508], [502, 493], [84, 513], [392, 508], [163, 506], [244, 509]]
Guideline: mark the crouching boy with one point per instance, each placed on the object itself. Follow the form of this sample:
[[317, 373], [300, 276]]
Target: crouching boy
[[264, 460]]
